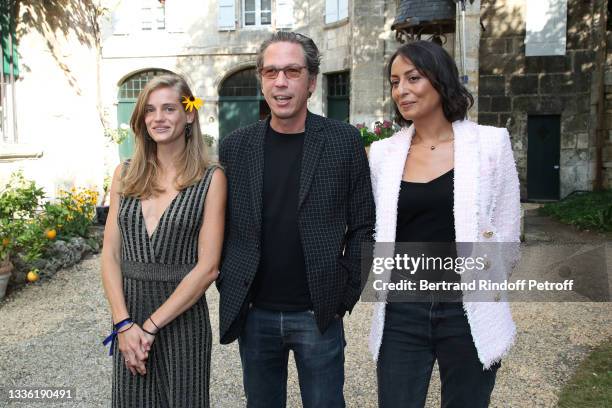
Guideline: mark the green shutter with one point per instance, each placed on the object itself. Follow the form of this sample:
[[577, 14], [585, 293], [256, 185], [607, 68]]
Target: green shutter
[[7, 26]]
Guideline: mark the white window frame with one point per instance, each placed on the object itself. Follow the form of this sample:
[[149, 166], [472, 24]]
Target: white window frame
[[153, 7], [340, 12], [258, 12], [546, 28]]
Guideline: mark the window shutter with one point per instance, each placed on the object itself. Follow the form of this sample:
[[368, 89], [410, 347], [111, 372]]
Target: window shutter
[[343, 9], [226, 18], [546, 28], [331, 11], [284, 14]]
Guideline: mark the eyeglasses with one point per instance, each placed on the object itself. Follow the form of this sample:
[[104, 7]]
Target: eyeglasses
[[291, 71]]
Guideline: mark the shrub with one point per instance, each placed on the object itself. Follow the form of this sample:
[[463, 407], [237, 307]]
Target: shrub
[[591, 211], [382, 130]]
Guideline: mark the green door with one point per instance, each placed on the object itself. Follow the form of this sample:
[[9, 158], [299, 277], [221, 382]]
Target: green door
[[240, 102], [124, 113], [128, 94], [338, 92], [236, 112], [543, 152]]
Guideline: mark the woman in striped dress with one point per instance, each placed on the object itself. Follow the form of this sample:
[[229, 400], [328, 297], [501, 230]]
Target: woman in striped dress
[[162, 247]]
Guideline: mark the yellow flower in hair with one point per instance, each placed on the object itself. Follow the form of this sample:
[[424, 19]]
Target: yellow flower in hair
[[192, 102]]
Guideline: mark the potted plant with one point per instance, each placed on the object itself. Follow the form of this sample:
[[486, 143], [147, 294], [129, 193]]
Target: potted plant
[[382, 130]]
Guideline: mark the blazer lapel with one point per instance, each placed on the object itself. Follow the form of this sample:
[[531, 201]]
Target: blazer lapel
[[256, 164], [467, 181], [313, 146], [390, 180]]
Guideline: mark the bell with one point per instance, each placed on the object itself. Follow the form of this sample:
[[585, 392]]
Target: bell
[[424, 17]]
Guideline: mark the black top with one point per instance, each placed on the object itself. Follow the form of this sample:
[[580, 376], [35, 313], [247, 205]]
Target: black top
[[280, 283], [425, 211], [425, 215]]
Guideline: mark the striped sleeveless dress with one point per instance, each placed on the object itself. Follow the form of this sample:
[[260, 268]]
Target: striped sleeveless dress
[[178, 368]]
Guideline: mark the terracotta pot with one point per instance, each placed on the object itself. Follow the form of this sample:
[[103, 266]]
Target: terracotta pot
[[6, 268]]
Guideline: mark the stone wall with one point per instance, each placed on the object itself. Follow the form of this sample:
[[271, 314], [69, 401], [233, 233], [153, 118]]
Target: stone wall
[[513, 86]]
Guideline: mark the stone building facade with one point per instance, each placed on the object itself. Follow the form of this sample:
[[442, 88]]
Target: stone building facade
[[209, 49], [561, 93], [83, 77]]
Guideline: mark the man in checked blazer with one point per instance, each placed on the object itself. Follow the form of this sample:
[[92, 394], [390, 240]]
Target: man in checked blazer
[[299, 207]]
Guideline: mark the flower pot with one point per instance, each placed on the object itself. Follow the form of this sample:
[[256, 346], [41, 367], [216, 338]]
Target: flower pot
[[5, 274], [101, 215]]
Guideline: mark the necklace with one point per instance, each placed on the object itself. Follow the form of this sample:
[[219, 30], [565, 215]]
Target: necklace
[[433, 147]]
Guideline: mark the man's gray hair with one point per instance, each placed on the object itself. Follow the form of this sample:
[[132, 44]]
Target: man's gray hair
[[311, 52]]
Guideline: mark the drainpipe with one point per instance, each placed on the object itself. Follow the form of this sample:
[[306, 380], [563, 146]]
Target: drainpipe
[[600, 131]]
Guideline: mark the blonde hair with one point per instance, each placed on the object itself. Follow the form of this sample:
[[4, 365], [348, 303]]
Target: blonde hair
[[140, 179]]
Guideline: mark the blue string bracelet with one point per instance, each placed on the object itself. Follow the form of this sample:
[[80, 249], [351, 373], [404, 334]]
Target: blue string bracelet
[[112, 338]]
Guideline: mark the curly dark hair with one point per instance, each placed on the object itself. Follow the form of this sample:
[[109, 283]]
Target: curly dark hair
[[432, 61]]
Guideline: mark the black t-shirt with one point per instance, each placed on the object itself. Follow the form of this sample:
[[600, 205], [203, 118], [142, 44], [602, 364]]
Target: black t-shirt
[[280, 283]]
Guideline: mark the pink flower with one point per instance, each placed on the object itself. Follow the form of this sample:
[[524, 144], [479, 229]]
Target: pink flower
[[377, 130], [386, 124], [360, 125]]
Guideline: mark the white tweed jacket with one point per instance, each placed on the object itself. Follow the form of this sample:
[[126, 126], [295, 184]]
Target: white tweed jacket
[[486, 209]]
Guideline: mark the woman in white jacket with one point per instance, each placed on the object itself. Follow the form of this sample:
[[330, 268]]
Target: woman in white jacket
[[441, 178]]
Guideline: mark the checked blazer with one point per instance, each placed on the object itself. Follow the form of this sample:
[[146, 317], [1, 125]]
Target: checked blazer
[[335, 216]]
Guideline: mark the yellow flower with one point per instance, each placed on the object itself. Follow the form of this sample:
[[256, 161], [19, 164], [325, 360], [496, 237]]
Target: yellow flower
[[192, 102]]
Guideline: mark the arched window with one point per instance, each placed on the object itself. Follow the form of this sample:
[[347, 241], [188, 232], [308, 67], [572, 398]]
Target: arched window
[[131, 87]]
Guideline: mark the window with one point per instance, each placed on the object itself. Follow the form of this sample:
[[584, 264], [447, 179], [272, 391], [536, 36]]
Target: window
[[546, 28], [141, 15], [256, 13], [335, 10], [242, 83], [153, 16], [134, 84]]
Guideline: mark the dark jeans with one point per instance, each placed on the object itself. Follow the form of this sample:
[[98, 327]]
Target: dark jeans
[[415, 335], [264, 350]]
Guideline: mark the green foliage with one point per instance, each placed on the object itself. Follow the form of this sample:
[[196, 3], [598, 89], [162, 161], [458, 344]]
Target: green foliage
[[31, 241], [25, 224], [591, 384], [118, 135], [20, 198], [590, 211], [73, 212], [382, 130], [19, 211], [208, 140]]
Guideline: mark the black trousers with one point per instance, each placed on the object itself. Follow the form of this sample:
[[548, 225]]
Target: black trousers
[[416, 334]]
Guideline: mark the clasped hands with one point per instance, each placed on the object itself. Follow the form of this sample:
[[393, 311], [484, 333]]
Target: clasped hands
[[135, 345]]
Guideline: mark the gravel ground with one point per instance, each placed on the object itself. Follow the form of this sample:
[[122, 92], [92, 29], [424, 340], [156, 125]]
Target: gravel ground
[[51, 333]]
